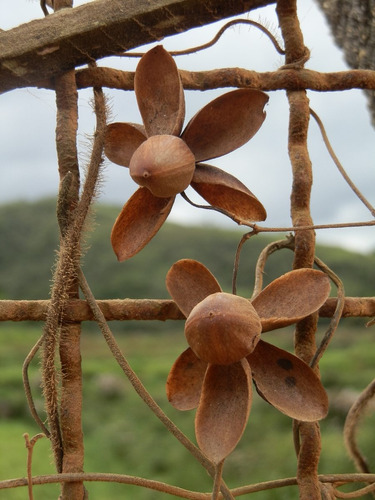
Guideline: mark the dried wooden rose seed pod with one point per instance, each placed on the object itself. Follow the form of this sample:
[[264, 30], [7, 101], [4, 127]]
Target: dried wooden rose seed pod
[[165, 159], [223, 328], [164, 164]]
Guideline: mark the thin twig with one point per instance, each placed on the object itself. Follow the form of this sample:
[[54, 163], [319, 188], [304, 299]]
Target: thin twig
[[216, 38], [218, 478], [336, 316], [355, 494], [263, 229], [27, 387], [212, 207], [312, 227], [179, 492], [339, 165], [30, 443], [244, 238], [43, 6], [351, 424], [110, 478], [262, 259]]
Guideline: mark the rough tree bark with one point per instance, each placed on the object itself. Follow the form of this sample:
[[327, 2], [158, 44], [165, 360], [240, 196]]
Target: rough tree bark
[[353, 26], [71, 37]]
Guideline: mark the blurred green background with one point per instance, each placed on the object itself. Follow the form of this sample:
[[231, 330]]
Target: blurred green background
[[121, 434]]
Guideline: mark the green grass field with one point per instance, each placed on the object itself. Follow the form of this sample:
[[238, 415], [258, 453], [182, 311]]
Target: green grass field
[[122, 436]]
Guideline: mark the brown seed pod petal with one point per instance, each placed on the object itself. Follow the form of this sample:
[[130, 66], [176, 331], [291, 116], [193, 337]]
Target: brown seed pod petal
[[159, 93], [225, 191], [223, 328], [226, 123], [184, 382], [139, 220], [188, 282], [288, 383], [164, 164], [224, 409], [291, 297], [121, 141]]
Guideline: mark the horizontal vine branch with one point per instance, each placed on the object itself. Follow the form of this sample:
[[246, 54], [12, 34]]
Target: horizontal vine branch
[[148, 309], [73, 37], [180, 492], [282, 79]]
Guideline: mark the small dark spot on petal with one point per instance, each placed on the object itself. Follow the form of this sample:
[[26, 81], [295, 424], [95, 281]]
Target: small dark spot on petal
[[284, 363], [290, 381]]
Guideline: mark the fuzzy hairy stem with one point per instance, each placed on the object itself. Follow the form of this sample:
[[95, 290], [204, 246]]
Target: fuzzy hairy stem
[[69, 342], [67, 405], [70, 353]]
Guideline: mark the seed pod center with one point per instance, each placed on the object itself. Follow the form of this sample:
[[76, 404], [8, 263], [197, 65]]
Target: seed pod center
[[223, 328], [164, 164]]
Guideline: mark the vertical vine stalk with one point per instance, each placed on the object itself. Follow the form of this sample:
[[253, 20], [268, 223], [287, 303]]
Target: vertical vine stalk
[[63, 391], [305, 345], [70, 411], [75, 453], [69, 453], [63, 282]]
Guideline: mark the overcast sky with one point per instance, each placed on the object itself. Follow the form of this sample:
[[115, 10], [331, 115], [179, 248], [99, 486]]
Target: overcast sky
[[28, 161]]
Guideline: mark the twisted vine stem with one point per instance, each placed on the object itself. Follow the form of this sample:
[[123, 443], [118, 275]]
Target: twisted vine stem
[[215, 39], [351, 426]]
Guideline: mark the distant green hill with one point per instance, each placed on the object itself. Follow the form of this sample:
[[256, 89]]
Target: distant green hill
[[29, 240]]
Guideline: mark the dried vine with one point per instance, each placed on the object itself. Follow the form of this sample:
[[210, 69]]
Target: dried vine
[[64, 312], [325, 479], [309, 443]]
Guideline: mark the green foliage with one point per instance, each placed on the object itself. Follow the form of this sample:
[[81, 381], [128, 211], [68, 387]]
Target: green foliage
[[31, 239], [122, 436]]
